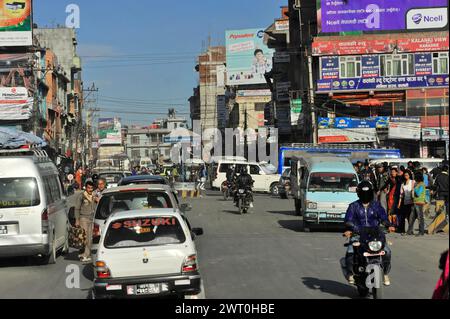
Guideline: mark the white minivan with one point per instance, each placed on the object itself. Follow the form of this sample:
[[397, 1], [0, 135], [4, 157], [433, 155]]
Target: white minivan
[[262, 174], [33, 210]]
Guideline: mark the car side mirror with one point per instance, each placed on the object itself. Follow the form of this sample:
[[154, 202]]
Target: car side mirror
[[185, 207], [196, 232]]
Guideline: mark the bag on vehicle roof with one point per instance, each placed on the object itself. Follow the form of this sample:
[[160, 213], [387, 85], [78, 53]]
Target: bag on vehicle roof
[[77, 237]]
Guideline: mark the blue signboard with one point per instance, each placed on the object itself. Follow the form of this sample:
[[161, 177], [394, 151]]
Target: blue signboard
[[383, 83], [423, 64], [330, 67], [351, 123], [370, 65]]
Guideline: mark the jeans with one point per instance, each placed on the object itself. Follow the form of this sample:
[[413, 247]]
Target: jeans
[[349, 258], [417, 213]]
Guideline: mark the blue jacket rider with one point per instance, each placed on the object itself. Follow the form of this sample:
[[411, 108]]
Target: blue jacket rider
[[366, 212]]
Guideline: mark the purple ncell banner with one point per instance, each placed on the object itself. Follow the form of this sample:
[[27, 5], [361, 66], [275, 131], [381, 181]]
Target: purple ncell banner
[[335, 16]]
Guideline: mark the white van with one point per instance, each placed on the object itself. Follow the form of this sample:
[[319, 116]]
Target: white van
[[33, 210], [265, 181]]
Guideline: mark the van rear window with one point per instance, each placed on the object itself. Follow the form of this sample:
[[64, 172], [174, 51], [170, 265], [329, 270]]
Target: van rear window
[[19, 192], [140, 232]]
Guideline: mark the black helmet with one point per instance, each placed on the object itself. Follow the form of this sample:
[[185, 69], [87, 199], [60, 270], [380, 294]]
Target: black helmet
[[366, 192]]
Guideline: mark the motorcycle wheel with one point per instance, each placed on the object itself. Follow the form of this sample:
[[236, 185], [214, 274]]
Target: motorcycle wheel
[[241, 207], [378, 293]]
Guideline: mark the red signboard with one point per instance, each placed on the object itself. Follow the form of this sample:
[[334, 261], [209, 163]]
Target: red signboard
[[361, 46], [423, 44]]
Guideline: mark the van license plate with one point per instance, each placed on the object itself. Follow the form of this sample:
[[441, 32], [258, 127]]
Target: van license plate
[[3, 230], [335, 216]]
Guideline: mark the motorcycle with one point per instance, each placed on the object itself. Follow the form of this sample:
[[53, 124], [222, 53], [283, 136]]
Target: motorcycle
[[243, 200], [368, 271]]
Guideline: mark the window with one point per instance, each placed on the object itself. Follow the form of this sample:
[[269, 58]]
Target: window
[[397, 65], [54, 188], [135, 154], [19, 192], [332, 182], [141, 232], [350, 67], [440, 63], [147, 153], [254, 170], [135, 140], [435, 107], [416, 107], [133, 200]]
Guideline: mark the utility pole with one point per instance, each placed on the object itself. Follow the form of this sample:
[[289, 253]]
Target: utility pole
[[88, 134], [311, 99]]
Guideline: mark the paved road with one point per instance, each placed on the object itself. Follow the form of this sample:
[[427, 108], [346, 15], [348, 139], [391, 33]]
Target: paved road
[[260, 255]]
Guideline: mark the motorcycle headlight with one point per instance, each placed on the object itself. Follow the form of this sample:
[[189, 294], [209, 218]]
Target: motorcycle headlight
[[375, 246], [241, 191], [312, 205]]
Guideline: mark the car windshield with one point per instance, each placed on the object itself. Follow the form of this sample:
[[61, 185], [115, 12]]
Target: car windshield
[[132, 200], [332, 182], [111, 178], [142, 232], [19, 192]]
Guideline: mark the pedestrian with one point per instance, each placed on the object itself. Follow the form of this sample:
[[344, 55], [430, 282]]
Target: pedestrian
[[382, 177], [406, 202], [441, 291], [392, 188], [84, 216], [79, 177], [419, 197], [440, 187], [102, 185]]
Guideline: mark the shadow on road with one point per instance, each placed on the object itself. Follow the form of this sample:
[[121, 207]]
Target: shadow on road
[[294, 225], [88, 272], [16, 262], [286, 212], [330, 287]]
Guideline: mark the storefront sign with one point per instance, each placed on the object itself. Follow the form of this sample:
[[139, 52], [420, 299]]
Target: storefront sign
[[435, 134], [296, 110], [405, 128], [359, 46], [370, 66], [423, 64], [351, 123], [357, 135], [383, 83], [330, 68]]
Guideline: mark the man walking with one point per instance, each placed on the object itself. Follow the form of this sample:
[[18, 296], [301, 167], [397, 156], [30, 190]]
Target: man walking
[[441, 187], [84, 216]]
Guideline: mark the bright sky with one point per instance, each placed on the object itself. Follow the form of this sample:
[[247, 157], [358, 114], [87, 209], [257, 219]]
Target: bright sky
[[143, 52]]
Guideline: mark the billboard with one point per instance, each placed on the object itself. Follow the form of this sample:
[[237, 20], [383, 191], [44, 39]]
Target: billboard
[[15, 103], [336, 136], [340, 16], [405, 128], [109, 131], [379, 122], [16, 27], [371, 78], [248, 58]]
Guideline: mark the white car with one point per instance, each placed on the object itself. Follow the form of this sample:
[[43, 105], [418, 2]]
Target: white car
[[112, 178], [265, 181], [147, 253]]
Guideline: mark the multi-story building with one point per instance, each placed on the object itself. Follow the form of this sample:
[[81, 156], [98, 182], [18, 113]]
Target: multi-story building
[[394, 73], [63, 43]]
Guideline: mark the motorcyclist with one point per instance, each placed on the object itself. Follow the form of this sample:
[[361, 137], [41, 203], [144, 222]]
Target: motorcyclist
[[366, 212], [244, 181]]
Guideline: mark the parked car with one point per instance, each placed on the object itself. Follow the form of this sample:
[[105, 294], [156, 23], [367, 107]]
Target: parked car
[[33, 209], [284, 186], [146, 253], [264, 181], [130, 198], [323, 188]]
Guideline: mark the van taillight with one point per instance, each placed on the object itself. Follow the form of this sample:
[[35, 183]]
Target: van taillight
[[96, 231], [44, 216], [102, 270], [190, 264]]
